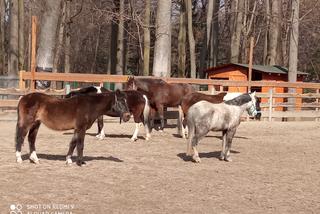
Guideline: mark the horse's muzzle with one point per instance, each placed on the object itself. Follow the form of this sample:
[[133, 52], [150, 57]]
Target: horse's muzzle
[[126, 116], [258, 116]]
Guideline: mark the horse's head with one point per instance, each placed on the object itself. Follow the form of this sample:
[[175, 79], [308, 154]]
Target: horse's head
[[130, 83], [120, 105], [254, 106]]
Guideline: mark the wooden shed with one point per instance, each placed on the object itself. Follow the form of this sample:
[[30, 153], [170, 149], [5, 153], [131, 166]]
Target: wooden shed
[[239, 72]]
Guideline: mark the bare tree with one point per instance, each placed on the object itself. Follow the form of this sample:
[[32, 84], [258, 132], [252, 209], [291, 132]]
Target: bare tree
[[2, 37], [191, 40], [13, 64], [274, 32], [47, 39], [237, 8], [146, 37], [67, 41], [120, 43], [294, 42], [21, 35], [182, 39], [214, 35], [162, 51]]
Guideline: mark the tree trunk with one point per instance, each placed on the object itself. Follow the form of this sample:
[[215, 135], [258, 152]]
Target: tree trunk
[[47, 39], [191, 40], [182, 39], [120, 45], [2, 33], [294, 38], [146, 37], [67, 50], [59, 46], [13, 64], [214, 37], [274, 32], [162, 50], [293, 53], [21, 35], [237, 9], [266, 36], [93, 66], [58, 52]]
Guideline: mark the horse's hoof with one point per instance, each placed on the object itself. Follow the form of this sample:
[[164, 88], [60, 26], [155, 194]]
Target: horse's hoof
[[68, 162], [133, 139], [228, 159], [100, 137], [34, 161], [189, 154], [148, 137], [19, 160], [80, 163], [196, 159]]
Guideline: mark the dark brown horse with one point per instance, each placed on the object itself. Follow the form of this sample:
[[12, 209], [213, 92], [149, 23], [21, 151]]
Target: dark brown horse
[[160, 93], [76, 113], [138, 106], [193, 98]]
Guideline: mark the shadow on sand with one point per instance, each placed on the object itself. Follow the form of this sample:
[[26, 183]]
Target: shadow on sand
[[63, 157], [215, 154]]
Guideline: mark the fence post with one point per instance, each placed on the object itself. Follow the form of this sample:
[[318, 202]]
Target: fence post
[[211, 89], [270, 103], [22, 84], [68, 88], [317, 102]]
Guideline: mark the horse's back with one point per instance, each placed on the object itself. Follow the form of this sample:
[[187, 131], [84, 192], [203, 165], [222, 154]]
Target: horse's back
[[214, 116]]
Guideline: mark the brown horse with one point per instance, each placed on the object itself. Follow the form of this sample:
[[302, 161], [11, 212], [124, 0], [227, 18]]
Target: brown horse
[[138, 106], [76, 113], [193, 98], [160, 93]]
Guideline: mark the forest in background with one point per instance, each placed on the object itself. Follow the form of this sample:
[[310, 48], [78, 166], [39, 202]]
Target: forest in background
[[179, 38]]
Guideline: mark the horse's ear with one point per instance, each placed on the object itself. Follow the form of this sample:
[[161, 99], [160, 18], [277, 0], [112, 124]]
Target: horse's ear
[[253, 94], [118, 92]]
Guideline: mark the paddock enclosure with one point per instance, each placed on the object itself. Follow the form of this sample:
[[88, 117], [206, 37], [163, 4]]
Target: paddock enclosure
[[275, 169]]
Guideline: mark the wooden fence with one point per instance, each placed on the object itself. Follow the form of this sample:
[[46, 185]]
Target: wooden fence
[[306, 109]]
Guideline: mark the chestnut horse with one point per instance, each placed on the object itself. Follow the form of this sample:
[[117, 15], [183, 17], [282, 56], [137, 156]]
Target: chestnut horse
[[138, 106], [76, 113], [160, 93], [193, 98]]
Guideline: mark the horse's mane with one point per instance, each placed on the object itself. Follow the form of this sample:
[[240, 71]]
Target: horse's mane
[[240, 100]]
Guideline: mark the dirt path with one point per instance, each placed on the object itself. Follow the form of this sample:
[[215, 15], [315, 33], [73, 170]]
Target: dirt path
[[275, 169]]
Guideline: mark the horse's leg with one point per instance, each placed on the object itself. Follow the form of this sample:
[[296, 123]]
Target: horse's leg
[[200, 132], [160, 111], [136, 131], [101, 134], [194, 142], [80, 134], [146, 114], [181, 130], [32, 139], [229, 137], [21, 132], [224, 143], [189, 141], [72, 146]]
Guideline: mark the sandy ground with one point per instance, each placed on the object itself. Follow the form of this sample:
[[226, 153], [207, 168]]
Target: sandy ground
[[275, 169]]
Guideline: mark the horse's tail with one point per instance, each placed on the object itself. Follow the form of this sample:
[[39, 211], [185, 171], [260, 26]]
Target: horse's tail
[[146, 113], [180, 122], [18, 128]]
